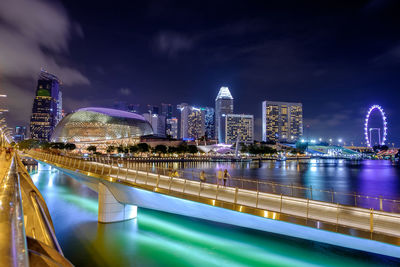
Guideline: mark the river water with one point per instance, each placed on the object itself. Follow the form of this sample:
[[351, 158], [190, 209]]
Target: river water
[[161, 239], [367, 177]]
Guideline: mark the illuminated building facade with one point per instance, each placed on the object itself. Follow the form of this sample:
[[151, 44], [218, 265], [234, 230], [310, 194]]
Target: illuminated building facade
[[209, 123], [192, 122], [47, 106], [20, 133], [223, 106], [166, 110], [171, 128], [134, 108], [157, 123], [238, 128], [282, 121], [102, 127]]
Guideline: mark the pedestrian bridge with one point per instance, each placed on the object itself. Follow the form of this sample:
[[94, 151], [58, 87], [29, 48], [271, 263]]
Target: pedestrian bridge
[[123, 186], [26, 231]]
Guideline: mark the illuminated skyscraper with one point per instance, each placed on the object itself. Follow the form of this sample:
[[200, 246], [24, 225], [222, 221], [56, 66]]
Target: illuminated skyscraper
[[59, 107], [192, 122], [209, 123], [134, 108], [238, 127], [171, 128], [46, 106], [282, 121], [223, 106], [157, 123], [166, 110], [20, 133]]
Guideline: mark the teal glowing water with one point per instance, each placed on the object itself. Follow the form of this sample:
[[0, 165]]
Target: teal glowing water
[[161, 239]]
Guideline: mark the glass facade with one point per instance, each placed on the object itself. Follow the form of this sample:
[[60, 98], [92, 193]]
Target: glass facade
[[20, 133], [239, 128], [223, 106], [91, 125], [282, 121], [166, 110], [47, 107], [196, 122], [209, 126], [172, 128]]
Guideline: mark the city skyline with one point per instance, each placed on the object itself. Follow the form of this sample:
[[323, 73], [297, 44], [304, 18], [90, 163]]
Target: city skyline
[[290, 58]]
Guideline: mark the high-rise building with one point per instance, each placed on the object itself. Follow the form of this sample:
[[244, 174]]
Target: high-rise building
[[166, 110], [46, 106], [238, 128], [171, 127], [134, 108], [60, 113], [153, 109], [20, 133], [282, 121], [192, 122], [209, 126], [157, 123], [223, 106]]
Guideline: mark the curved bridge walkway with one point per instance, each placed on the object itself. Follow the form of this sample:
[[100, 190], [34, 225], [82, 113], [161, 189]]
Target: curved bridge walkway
[[27, 235], [354, 221]]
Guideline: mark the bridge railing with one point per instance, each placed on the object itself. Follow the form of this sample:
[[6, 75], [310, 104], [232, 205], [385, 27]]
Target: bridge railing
[[13, 246], [350, 199]]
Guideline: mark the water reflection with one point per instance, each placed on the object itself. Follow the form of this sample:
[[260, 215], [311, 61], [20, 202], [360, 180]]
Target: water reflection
[[161, 239], [369, 177]]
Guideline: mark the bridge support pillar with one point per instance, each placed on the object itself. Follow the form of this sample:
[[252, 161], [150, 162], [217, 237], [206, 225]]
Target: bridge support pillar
[[110, 210]]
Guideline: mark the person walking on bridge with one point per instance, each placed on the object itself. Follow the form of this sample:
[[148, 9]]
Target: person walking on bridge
[[226, 176], [219, 176], [202, 176]]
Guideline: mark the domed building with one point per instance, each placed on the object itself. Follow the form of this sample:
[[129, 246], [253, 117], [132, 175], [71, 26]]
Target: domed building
[[101, 126]]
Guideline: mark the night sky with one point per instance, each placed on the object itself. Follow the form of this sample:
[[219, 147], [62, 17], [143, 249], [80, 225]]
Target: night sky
[[336, 57]]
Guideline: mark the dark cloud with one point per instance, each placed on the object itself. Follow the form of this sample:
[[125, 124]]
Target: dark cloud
[[125, 91], [34, 34], [336, 57], [172, 43]]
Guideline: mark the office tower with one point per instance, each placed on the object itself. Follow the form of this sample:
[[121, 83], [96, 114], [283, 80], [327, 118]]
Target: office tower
[[223, 106], [166, 110], [134, 108], [45, 110], [282, 121], [172, 127], [59, 107], [238, 128], [209, 118], [20, 133], [153, 109], [192, 122], [157, 123]]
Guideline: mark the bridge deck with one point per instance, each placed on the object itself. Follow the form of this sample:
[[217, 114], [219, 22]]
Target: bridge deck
[[367, 223]]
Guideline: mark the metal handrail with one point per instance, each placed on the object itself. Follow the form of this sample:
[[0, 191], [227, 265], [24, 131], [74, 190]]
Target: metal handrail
[[370, 215], [275, 188], [49, 228], [13, 246]]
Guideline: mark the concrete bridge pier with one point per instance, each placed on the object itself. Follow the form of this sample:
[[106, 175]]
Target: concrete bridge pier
[[110, 210]]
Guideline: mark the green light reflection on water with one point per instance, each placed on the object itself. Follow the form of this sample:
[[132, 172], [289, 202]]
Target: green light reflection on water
[[161, 239]]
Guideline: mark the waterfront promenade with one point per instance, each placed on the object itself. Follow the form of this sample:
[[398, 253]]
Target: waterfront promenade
[[356, 221]]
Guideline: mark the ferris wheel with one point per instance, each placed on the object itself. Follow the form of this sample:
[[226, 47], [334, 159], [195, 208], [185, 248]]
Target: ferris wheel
[[368, 130]]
